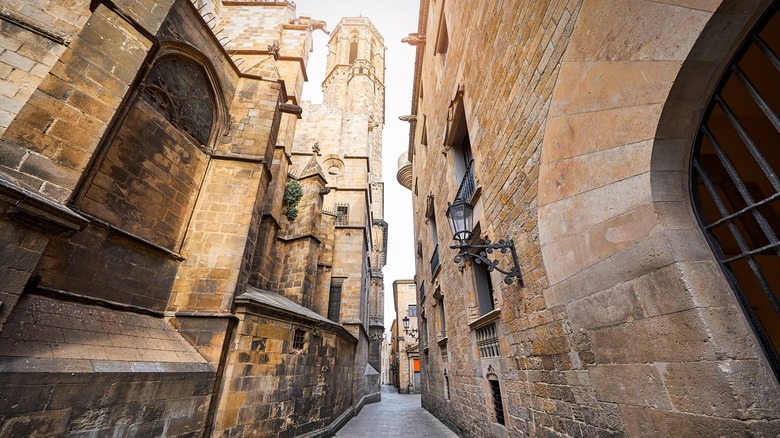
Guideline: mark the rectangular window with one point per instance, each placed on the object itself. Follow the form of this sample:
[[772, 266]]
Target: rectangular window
[[485, 293], [334, 299], [342, 214], [298, 339], [412, 310], [498, 403], [443, 39], [442, 319]]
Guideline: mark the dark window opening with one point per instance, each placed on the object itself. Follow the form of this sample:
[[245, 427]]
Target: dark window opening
[[443, 40], [431, 215], [334, 300], [735, 184], [342, 214], [298, 339], [485, 291], [180, 90], [442, 319], [498, 403], [353, 50]]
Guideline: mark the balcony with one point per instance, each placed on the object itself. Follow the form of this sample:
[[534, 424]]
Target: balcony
[[468, 185], [404, 175]]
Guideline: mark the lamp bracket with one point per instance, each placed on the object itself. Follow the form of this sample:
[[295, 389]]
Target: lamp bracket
[[481, 256]]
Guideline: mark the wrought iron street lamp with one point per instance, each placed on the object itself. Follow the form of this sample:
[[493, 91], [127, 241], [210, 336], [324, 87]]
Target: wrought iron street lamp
[[412, 332], [460, 215]]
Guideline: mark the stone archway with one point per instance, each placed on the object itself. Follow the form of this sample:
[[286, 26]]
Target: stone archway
[[623, 252]]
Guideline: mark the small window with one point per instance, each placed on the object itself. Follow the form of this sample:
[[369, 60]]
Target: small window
[[412, 311], [424, 135], [443, 40], [442, 319], [484, 286], [342, 214], [446, 386], [298, 339], [353, 49], [498, 403], [334, 300]]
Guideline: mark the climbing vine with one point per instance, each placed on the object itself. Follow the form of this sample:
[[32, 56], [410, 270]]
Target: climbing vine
[[292, 195]]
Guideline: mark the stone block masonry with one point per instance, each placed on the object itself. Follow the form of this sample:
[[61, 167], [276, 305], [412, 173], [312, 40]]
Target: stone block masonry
[[569, 132]]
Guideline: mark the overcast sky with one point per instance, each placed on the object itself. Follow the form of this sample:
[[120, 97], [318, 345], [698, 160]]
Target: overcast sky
[[394, 20]]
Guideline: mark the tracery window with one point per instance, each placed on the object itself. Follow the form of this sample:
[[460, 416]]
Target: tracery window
[[735, 183], [180, 90]]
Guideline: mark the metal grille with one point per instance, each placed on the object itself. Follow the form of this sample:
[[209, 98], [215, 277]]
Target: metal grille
[[342, 214], [298, 339], [498, 402], [468, 185], [334, 301], [487, 341], [734, 180]]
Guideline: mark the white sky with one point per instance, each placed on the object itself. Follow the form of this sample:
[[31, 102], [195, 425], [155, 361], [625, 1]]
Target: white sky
[[394, 20]]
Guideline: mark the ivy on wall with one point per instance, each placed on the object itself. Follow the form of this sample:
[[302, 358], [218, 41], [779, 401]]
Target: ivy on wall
[[292, 195]]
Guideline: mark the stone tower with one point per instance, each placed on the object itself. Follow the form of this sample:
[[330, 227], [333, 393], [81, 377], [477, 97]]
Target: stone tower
[[354, 83], [347, 131]]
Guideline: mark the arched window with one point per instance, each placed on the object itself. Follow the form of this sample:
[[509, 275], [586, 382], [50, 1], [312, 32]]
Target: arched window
[[180, 90], [734, 179], [353, 49]]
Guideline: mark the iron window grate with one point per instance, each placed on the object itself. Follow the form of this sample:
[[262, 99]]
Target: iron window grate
[[487, 341], [298, 339], [498, 402], [735, 185]]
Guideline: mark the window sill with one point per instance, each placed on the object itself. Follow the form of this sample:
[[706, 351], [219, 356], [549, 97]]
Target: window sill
[[443, 341], [485, 319]]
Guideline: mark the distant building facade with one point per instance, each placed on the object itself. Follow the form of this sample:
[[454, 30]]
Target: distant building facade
[[626, 149], [406, 337], [174, 260]]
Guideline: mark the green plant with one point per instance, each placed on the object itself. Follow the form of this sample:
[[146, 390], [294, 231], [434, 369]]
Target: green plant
[[292, 195]]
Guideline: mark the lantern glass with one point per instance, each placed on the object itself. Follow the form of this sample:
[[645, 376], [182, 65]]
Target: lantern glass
[[406, 322], [460, 214]]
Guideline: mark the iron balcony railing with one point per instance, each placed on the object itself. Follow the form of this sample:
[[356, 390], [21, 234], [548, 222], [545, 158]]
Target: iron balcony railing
[[467, 185], [435, 260]]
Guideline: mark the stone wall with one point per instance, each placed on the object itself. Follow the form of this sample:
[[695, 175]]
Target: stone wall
[[273, 388], [562, 130]]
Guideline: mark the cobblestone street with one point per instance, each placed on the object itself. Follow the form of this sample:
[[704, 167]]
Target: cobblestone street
[[397, 415]]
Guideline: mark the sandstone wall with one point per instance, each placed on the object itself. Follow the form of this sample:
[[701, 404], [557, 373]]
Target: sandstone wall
[[615, 321]]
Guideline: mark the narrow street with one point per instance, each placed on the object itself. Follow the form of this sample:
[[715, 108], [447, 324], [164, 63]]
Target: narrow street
[[397, 415]]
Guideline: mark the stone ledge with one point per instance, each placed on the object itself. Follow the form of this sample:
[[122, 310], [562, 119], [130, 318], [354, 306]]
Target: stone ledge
[[33, 208]]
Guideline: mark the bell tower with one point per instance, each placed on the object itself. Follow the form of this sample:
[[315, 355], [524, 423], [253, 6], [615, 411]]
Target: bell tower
[[355, 83]]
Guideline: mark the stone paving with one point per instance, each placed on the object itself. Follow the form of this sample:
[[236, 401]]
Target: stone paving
[[397, 415]]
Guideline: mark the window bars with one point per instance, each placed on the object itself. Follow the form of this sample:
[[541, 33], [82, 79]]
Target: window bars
[[468, 184], [734, 182], [342, 214], [487, 341]]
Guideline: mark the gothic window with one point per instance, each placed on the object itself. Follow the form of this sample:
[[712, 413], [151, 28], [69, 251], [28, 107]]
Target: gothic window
[[180, 91], [353, 50], [735, 184]]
